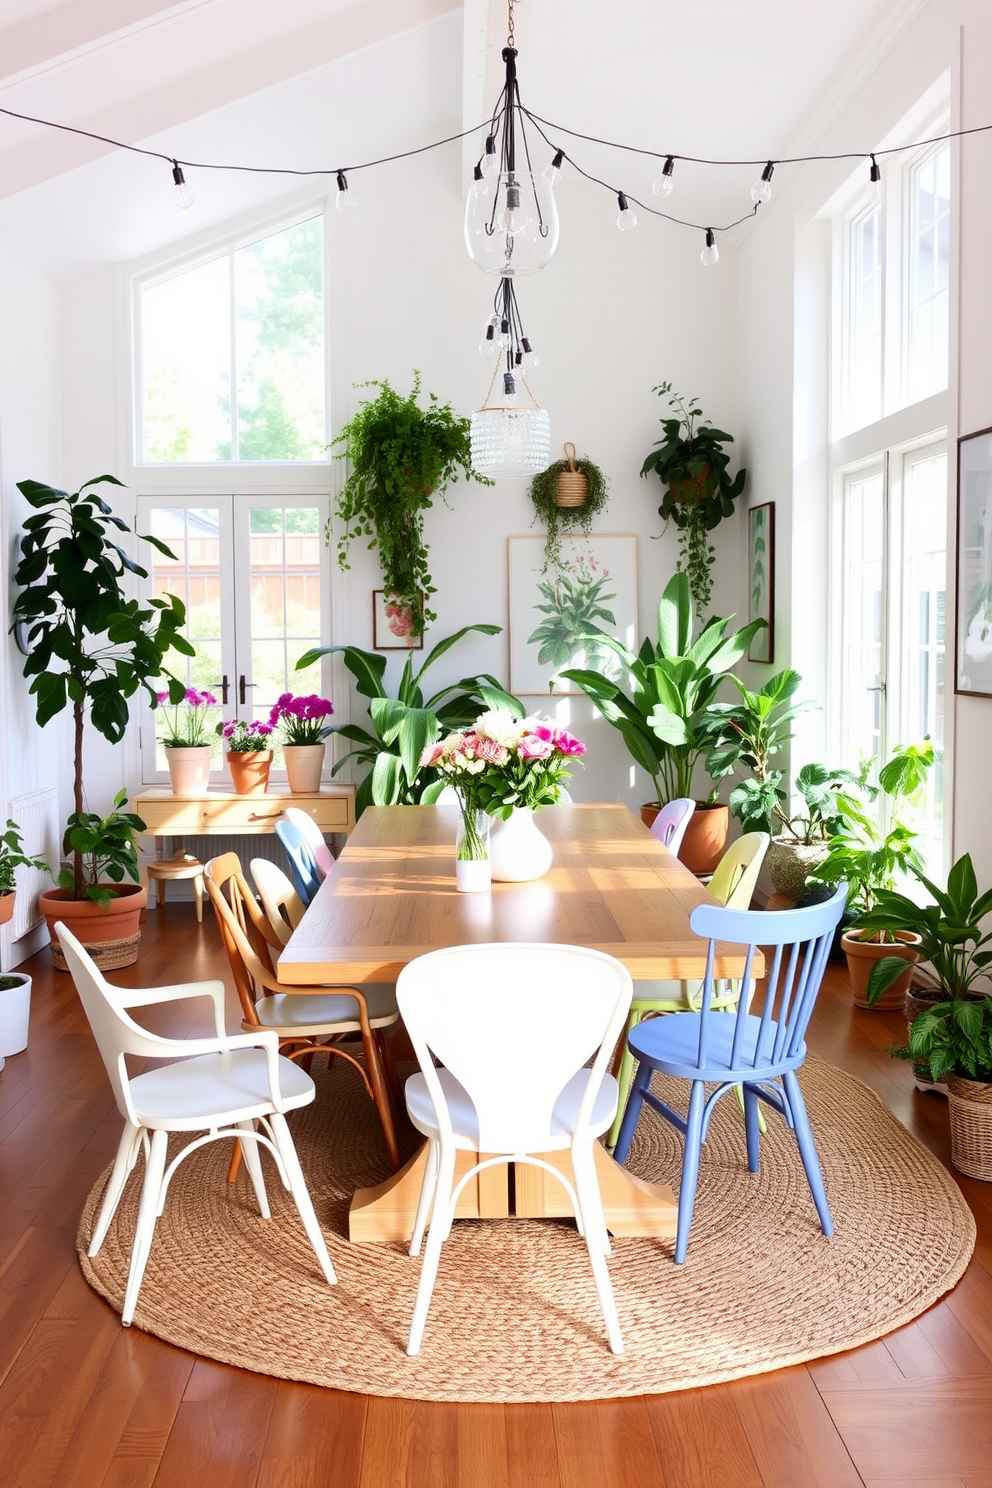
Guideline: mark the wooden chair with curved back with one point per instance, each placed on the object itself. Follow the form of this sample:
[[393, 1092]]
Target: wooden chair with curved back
[[304, 1021]]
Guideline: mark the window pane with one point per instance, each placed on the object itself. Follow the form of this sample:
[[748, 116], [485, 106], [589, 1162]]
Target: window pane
[[193, 534], [924, 600], [863, 394], [862, 619], [279, 293], [285, 547], [186, 365], [929, 272]]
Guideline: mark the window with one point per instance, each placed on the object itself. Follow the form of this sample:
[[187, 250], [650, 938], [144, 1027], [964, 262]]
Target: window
[[864, 331], [232, 356], [928, 278], [249, 570]]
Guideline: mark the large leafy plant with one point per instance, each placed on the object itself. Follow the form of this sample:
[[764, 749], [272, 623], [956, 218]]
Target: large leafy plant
[[666, 721], [403, 726], [691, 461], [402, 456], [92, 647], [751, 732]]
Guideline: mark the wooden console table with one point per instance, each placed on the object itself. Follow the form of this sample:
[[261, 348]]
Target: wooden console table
[[218, 813]]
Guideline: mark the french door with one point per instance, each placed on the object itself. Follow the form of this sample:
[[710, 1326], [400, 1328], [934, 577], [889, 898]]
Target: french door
[[254, 574]]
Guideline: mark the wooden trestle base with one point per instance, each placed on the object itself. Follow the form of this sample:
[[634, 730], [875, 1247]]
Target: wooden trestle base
[[632, 1206]]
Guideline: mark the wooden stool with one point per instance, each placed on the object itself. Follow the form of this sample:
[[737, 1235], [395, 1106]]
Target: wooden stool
[[180, 865]]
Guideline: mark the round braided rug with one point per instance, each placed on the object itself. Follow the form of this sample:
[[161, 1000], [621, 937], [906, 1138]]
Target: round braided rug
[[515, 1315]]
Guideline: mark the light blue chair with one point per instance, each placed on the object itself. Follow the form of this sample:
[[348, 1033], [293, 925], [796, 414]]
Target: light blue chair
[[670, 823], [758, 1051], [306, 875]]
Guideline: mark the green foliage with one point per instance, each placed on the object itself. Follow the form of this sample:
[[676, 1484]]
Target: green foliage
[[861, 854], [691, 461], [820, 789], [92, 648], [574, 604], [403, 726], [108, 846], [666, 722], [950, 931], [564, 519], [953, 1038], [749, 735], [401, 456], [12, 855]]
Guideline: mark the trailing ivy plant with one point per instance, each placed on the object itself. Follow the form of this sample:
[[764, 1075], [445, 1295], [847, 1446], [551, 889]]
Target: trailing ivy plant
[[402, 456], [560, 520], [691, 461]]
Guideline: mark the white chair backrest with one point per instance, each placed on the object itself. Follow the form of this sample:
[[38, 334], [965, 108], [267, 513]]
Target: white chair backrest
[[283, 906], [513, 1023], [736, 874], [306, 824], [670, 823]]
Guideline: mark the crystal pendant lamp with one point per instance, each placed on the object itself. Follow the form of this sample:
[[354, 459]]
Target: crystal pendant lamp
[[511, 432]]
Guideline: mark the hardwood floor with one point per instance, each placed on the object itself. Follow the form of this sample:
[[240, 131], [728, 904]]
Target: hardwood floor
[[86, 1403]]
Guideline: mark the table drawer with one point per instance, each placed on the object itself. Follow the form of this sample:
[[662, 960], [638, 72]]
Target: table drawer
[[219, 814]]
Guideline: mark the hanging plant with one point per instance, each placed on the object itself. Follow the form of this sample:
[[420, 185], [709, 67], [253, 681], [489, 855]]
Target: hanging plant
[[560, 504], [692, 463], [402, 456]]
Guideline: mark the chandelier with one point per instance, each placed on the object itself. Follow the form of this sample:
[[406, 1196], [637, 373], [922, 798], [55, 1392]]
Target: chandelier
[[511, 432]]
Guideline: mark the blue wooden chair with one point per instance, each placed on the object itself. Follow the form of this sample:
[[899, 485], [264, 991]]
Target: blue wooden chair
[[306, 875], [758, 1051]]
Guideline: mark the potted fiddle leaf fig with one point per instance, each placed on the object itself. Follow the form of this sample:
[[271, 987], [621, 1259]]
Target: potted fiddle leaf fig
[[690, 460], [92, 649], [402, 455]]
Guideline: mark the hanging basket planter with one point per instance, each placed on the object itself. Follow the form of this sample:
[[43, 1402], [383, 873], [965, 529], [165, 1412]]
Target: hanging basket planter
[[571, 485], [566, 496]]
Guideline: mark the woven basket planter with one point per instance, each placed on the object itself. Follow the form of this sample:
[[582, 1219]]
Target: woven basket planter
[[970, 1106]]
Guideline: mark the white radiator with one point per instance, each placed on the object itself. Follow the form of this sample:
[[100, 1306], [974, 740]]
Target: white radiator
[[37, 819]]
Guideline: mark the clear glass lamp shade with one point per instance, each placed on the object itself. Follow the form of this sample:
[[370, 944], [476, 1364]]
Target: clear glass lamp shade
[[513, 230], [511, 440]]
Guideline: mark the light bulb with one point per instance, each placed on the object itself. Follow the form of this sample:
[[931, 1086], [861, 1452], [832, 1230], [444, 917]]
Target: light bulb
[[761, 191], [182, 192], [490, 160], [626, 220], [487, 346], [344, 201], [503, 339], [513, 217], [551, 172], [662, 185], [528, 361], [480, 186], [875, 177], [711, 253]]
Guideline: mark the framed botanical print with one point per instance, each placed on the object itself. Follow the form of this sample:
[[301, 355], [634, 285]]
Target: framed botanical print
[[973, 611], [392, 624], [761, 579]]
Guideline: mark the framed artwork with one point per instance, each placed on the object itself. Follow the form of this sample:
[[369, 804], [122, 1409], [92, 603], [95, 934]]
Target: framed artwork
[[761, 579], [555, 617], [973, 611], [391, 624]]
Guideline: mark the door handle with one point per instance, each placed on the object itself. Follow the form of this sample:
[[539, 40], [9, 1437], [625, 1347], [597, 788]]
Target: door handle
[[224, 686], [242, 686]]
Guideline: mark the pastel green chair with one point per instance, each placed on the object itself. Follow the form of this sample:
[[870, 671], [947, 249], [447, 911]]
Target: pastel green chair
[[732, 886]]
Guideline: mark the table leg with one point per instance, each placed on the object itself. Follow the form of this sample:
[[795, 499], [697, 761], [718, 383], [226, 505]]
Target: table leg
[[387, 1211]]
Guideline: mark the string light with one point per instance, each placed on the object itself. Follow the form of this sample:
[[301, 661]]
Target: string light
[[711, 253], [551, 172], [344, 201], [875, 177], [662, 185], [761, 191], [182, 192], [626, 220]]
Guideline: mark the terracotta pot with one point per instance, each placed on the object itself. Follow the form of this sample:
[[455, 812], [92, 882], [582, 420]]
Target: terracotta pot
[[861, 957], [94, 925], [789, 865], [189, 770], [304, 763], [690, 487], [649, 811], [6, 906], [250, 770], [705, 837]]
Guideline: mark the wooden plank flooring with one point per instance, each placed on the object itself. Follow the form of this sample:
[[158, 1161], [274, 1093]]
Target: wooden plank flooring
[[87, 1404]]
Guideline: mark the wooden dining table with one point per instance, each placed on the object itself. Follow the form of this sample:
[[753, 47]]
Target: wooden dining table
[[392, 897]]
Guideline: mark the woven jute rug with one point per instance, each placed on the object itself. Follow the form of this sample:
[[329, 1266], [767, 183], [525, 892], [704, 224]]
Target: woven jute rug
[[515, 1315]]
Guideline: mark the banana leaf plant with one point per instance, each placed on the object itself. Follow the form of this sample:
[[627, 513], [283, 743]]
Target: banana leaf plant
[[403, 726], [667, 721]]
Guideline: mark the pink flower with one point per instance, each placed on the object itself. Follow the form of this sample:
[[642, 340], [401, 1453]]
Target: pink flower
[[399, 619], [163, 697], [568, 745], [431, 754], [541, 731], [491, 751], [532, 746]]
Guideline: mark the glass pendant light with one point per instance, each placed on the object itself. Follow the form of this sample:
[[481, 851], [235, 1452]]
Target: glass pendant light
[[511, 432]]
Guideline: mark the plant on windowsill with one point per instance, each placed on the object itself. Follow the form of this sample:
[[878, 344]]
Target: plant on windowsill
[[92, 650], [692, 463], [12, 857], [302, 721], [188, 751], [565, 498], [248, 746], [402, 456]]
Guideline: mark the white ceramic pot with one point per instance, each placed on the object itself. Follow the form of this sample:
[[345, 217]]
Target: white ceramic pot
[[472, 875], [304, 764], [189, 770], [15, 1012], [518, 848]]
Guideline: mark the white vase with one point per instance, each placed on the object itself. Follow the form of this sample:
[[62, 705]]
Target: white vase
[[304, 763], [15, 1012], [472, 875], [189, 770], [518, 849]]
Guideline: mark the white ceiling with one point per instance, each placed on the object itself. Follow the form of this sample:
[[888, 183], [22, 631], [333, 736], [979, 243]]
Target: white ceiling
[[311, 82]]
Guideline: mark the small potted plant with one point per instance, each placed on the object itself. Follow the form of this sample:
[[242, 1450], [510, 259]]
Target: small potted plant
[[803, 840], [12, 857], [106, 847], [15, 1013], [952, 1037], [187, 748], [565, 498], [248, 746], [402, 456], [691, 461], [301, 720], [870, 859]]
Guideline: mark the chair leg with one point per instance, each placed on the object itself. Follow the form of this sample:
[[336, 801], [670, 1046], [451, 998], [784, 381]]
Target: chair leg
[[389, 1066], [440, 1224], [127, 1156], [145, 1228], [253, 1163], [690, 1167], [301, 1194], [381, 1099], [590, 1202], [625, 1078], [428, 1191], [749, 1099], [635, 1100], [807, 1150]]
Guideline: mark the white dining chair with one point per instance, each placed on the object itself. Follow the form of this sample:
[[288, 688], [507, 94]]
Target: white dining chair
[[284, 909], [224, 1087], [313, 837], [523, 1035], [670, 823]]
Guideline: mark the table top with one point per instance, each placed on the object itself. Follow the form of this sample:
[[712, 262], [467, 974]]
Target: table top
[[392, 897]]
